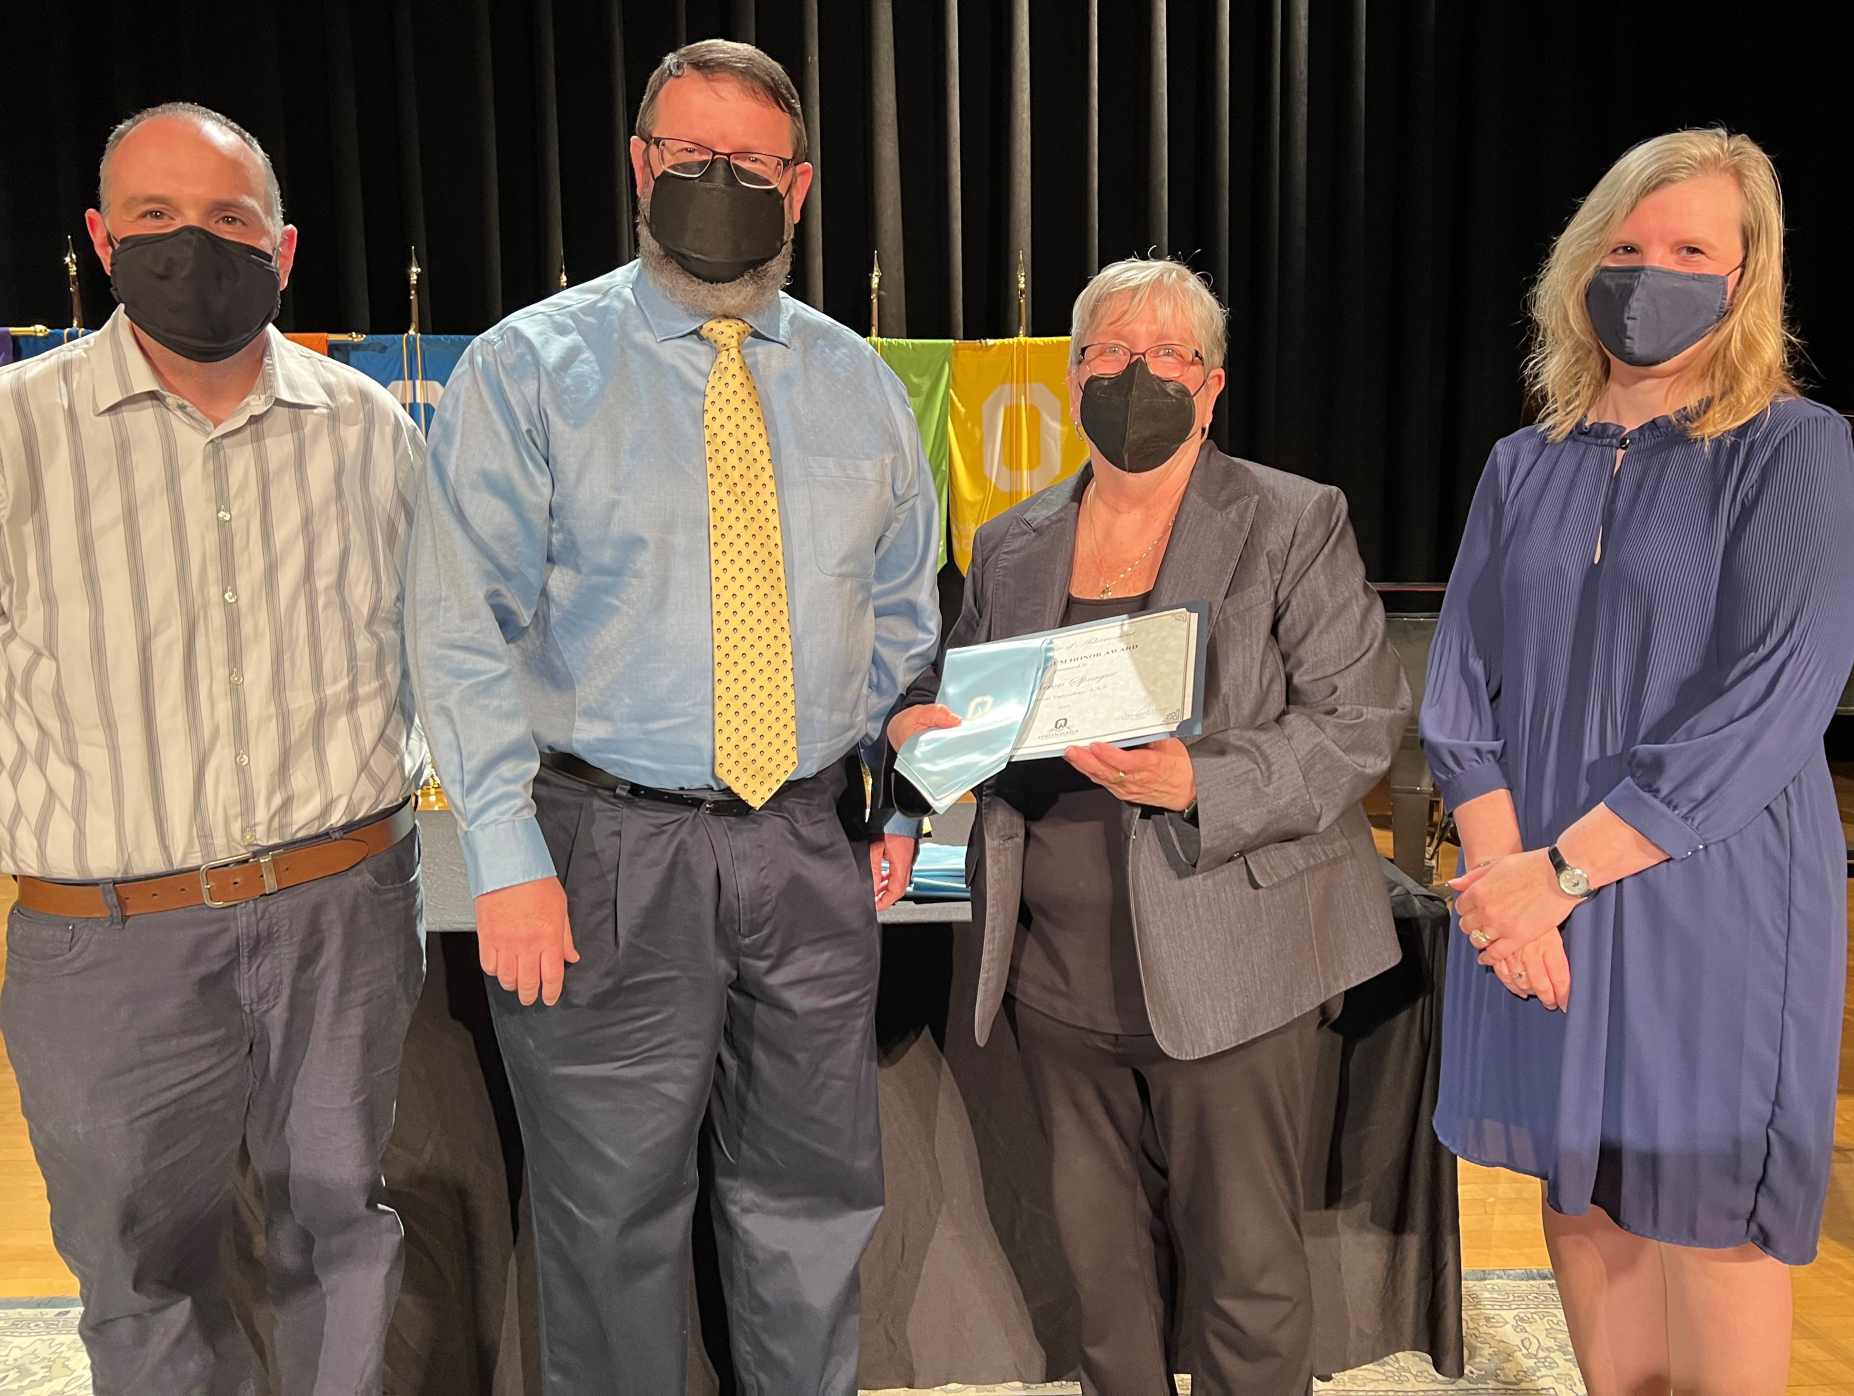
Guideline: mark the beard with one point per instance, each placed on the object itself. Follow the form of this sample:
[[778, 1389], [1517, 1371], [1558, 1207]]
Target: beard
[[737, 298]]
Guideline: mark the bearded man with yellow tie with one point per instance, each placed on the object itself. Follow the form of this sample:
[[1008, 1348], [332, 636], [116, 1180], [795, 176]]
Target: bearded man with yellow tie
[[673, 563]]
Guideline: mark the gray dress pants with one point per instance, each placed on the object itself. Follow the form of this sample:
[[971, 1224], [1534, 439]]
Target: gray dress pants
[[728, 967], [1177, 1199], [150, 1049]]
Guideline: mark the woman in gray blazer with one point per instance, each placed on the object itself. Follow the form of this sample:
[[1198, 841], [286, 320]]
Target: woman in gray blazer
[[1163, 925]]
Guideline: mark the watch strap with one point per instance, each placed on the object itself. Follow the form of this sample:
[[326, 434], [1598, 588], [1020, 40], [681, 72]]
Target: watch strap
[[1561, 867]]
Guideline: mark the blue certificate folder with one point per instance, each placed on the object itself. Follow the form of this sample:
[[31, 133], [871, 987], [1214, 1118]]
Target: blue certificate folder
[[990, 689], [993, 688]]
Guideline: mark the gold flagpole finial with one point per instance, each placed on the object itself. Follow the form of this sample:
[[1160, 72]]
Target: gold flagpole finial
[[1023, 297], [412, 275], [563, 280], [875, 305], [70, 276]]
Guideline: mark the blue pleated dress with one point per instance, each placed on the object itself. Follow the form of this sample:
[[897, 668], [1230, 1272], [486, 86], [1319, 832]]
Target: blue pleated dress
[[1684, 679]]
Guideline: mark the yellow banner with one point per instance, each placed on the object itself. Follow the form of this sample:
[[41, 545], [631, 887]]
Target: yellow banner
[[1010, 433]]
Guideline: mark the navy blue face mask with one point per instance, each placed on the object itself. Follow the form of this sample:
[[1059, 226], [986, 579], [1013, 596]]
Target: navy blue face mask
[[1645, 315]]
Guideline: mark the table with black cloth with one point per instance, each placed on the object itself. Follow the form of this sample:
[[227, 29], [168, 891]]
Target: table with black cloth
[[963, 1281]]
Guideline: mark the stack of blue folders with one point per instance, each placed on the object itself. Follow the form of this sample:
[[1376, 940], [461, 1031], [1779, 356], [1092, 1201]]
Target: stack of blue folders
[[940, 873]]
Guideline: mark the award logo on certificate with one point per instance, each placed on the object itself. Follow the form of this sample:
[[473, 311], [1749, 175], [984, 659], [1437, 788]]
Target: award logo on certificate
[[1125, 681]]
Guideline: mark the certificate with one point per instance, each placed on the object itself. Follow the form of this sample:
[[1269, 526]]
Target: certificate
[[1125, 680]]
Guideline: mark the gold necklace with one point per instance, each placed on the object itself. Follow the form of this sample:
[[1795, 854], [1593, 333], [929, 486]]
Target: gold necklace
[[1107, 587]]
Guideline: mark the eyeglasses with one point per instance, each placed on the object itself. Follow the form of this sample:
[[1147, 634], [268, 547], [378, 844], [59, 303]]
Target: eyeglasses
[[1171, 362], [688, 160]]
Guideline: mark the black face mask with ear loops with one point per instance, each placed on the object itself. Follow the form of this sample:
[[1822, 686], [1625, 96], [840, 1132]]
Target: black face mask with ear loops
[[192, 291], [715, 227], [1136, 419]]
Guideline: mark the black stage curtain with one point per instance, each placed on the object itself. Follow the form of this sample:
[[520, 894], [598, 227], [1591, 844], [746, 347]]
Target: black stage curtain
[[1395, 173]]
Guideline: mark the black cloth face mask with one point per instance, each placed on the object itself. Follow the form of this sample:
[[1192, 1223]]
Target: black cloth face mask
[[714, 227], [192, 291], [1645, 315], [1136, 419]]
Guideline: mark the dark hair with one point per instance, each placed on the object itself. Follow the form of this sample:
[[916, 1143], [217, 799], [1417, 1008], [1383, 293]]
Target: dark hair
[[206, 116], [744, 63]]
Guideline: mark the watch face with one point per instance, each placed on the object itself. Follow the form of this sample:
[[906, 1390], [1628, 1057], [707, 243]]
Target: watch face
[[1574, 883]]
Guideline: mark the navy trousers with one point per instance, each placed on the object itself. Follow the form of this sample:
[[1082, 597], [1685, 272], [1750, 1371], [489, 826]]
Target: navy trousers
[[727, 969]]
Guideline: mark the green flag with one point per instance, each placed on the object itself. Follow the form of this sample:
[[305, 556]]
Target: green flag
[[925, 368]]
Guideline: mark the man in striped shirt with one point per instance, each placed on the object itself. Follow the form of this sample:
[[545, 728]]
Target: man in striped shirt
[[207, 754]]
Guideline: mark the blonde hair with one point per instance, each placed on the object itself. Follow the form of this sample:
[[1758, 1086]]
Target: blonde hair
[[1745, 362], [1139, 280]]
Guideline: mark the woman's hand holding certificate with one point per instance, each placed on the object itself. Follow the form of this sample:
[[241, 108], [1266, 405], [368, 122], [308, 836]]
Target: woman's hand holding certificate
[[1109, 684]]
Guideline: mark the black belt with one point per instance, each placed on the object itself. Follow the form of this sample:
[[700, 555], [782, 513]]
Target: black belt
[[570, 765]]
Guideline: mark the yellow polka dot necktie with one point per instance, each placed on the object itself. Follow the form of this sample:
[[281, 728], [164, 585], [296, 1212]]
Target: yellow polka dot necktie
[[756, 713]]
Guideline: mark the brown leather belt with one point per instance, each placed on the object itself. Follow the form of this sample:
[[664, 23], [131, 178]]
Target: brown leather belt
[[227, 881]]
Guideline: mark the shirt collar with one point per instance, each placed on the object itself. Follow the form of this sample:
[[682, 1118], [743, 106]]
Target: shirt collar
[[669, 319], [125, 371]]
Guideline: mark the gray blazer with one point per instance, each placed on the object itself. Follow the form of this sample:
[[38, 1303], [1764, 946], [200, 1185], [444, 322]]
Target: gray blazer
[[1274, 902]]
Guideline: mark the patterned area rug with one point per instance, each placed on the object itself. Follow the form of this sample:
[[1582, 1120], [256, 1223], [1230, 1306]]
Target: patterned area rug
[[1517, 1346]]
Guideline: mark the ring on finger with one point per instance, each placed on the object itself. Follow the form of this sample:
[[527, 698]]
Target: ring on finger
[[1119, 776], [1481, 939]]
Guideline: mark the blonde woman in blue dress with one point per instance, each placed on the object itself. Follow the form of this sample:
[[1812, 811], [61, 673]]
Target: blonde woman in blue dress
[[1649, 622]]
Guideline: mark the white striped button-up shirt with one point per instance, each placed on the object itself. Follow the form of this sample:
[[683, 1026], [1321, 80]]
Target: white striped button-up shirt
[[200, 627]]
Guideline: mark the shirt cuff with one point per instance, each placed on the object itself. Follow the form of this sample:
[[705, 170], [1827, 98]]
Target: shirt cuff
[[1653, 820], [1470, 783], [902, 825], [505, 854]]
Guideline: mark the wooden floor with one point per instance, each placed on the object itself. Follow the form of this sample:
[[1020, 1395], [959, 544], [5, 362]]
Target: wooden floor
[[1499, 1221]]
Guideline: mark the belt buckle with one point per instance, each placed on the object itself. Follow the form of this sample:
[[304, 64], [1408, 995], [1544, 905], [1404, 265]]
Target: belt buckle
[[263, 860]]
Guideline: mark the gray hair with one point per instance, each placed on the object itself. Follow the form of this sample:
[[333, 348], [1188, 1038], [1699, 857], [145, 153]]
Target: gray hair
[[1128, 287], [206, 116], [753, 69]]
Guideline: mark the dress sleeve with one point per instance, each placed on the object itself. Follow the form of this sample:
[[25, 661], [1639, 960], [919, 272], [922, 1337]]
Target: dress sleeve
[[1783, 641], [1460, 731]]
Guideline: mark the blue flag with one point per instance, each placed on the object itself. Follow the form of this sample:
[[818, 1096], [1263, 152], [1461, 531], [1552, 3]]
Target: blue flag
[[28, 345], [413, 368]]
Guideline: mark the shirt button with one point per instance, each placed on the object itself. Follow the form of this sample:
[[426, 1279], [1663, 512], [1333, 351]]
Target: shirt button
[[243, 759], [237, 677], [225, 515], [250, 836]]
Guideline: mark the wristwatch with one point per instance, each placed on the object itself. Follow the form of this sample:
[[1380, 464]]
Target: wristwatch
[[1571, 881]]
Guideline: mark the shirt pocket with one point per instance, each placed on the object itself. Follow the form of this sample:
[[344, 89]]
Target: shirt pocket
[[851, 504]]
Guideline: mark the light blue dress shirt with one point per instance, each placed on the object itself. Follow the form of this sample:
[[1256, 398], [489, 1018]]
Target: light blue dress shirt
[[558, 597]]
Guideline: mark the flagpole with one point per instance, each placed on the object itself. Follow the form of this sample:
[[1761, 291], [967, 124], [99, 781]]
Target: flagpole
[[1018, 243], [344, 129], [814, 138], [875, 297], [411, 168], [955, 202], [547, 134], [70, 276], [886, 136], [1091, 147], [1158, 151], [621, 129]]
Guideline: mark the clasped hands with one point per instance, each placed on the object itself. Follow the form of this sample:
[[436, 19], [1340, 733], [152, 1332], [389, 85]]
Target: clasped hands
[[1511, 908], [1158, 774]]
